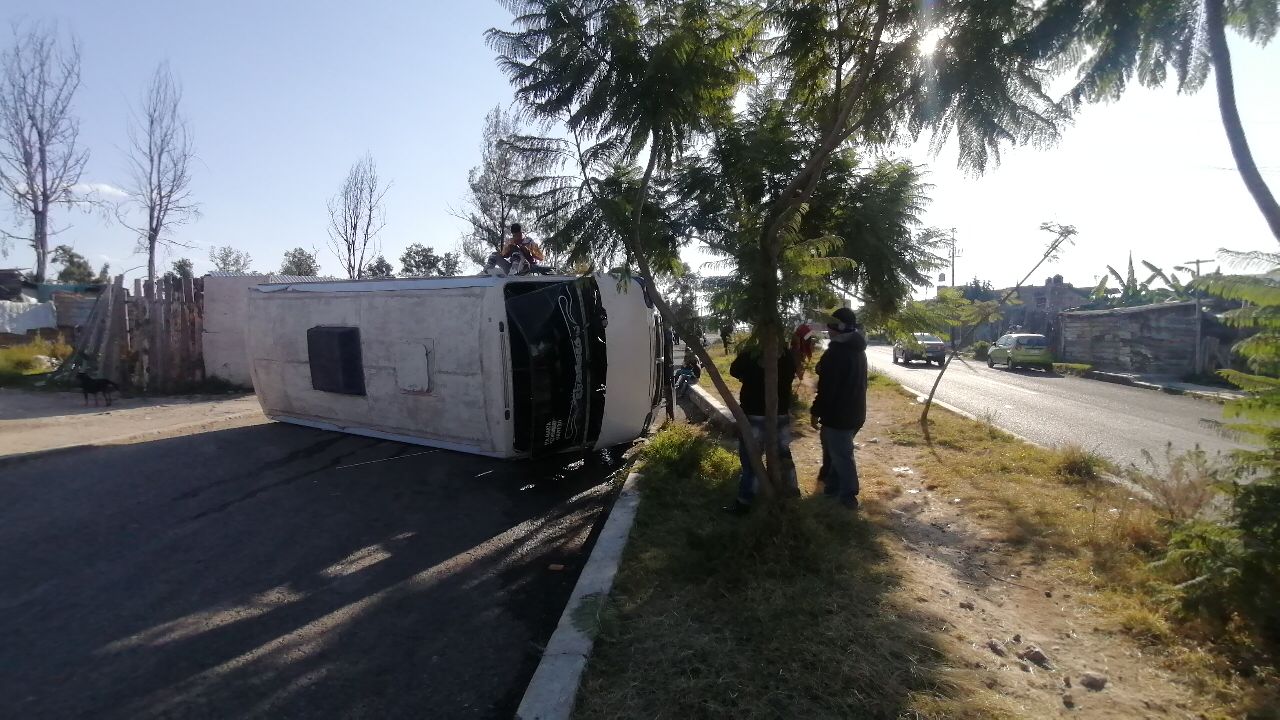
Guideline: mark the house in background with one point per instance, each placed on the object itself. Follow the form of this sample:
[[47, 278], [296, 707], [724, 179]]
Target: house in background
[[1039, 305], [1157, 339], [1033, 309]]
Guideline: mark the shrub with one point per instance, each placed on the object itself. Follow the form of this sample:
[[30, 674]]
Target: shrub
[[980, 350], [1075, 463], [21, 359], [1185, 486]]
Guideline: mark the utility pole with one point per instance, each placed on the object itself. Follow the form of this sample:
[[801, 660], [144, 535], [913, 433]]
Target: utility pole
[[1199, 329], [953, 258]]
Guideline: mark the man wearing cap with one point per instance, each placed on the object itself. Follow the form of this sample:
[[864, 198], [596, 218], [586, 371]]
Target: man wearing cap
[[841, 405]]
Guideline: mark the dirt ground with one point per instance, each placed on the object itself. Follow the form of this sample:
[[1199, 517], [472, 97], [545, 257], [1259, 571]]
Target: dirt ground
[[38, 421], [987, 599]]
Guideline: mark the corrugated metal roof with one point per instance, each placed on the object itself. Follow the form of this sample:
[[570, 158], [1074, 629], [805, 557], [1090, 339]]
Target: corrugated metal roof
[[1136, 309]]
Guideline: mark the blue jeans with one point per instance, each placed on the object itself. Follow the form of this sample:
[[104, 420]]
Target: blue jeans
[[839, 472], [747, 482]]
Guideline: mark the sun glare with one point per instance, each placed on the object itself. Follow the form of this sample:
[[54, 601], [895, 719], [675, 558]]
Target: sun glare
[[929, 42]]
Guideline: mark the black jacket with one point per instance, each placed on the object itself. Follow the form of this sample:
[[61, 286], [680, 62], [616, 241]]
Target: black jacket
[[841, 403], [747, 368]]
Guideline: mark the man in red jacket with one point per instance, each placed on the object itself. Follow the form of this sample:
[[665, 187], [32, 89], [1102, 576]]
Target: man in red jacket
[[840, 406]]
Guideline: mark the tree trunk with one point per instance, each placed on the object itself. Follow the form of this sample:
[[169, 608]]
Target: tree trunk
[[151, 255], [1221, 59], [709, 366], [769, 358], [40, 241]]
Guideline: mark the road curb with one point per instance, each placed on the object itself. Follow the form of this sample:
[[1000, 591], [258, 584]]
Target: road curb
[[1119, 379], [712, 407], [554, 688]]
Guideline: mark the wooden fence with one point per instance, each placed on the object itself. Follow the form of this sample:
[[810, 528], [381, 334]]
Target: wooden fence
[[148, 341]]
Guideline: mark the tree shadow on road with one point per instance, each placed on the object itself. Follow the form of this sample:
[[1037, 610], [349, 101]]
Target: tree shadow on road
[[276, 571]]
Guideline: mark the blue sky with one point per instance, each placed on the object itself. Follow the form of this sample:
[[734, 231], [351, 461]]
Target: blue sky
[[284, 96]]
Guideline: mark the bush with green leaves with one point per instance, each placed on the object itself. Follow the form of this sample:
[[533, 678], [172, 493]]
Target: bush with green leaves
[[1229, 572], [981, 349]]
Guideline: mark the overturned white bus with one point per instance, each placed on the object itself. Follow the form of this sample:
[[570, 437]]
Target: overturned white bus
[[505, 367]]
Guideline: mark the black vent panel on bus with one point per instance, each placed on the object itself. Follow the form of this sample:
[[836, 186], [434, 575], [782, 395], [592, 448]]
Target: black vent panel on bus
[[336, 363]]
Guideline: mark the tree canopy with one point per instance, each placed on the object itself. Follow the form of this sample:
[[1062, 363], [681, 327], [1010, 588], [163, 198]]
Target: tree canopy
[[300, 262]]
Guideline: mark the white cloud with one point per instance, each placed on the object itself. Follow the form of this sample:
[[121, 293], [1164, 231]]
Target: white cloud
[[102, 191]]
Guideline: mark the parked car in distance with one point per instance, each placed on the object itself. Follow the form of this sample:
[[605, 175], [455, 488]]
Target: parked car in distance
[[920, 346], [1021, 350]]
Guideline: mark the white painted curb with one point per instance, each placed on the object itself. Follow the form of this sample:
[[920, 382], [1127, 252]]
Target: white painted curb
[[712, 407], [554, 688]]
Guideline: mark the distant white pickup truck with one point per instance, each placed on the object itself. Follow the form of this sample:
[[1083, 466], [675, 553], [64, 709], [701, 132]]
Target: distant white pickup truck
[[504, 367]]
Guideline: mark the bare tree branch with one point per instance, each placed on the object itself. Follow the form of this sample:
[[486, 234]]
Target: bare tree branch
[[39, 158], [356, 216], [160, 152]]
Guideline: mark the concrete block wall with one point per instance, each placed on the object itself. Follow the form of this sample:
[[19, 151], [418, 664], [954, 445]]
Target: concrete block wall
[[1156, 340], [226, 309]]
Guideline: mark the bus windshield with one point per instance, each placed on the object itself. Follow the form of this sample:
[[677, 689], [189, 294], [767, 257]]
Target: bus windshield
[[558, 364]]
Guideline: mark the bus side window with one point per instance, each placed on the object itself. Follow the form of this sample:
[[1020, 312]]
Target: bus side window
[[337, 365]]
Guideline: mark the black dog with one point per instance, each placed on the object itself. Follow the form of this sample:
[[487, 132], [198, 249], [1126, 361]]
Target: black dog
[[95, 387]]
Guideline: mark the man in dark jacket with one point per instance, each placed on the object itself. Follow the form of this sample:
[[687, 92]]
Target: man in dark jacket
[[841, 405], [748, 368]]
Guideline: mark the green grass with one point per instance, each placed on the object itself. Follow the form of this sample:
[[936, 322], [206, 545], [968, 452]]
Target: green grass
[[800, 611], [1071, 368], [793, 612], [18, 363], [1055, 510]]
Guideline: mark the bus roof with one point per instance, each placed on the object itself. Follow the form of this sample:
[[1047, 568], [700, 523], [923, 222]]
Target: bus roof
[[393, 284]]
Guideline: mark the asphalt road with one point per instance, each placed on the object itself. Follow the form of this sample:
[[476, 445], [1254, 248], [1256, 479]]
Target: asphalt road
[[1116, 421], [283, 572]]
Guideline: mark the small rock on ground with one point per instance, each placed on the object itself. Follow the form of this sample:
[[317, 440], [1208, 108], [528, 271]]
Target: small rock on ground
[[1068, 701], [966, 605], [1035, 655], [1094, 681], [997, 647]]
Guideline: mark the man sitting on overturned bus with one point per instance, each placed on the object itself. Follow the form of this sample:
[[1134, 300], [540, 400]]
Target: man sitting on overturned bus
[[502, 260]]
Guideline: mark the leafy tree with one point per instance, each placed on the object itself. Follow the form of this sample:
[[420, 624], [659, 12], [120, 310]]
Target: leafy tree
[[75, 269], [419, 261], [104, 274], [1232, 570], [301, 263], [1130, 292], [183, 268], [228, 259], [450, 265], [984, 312], [378, 268], [653, 79], [1154, 38], [498, 188], [979, 291], [683, 290]]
